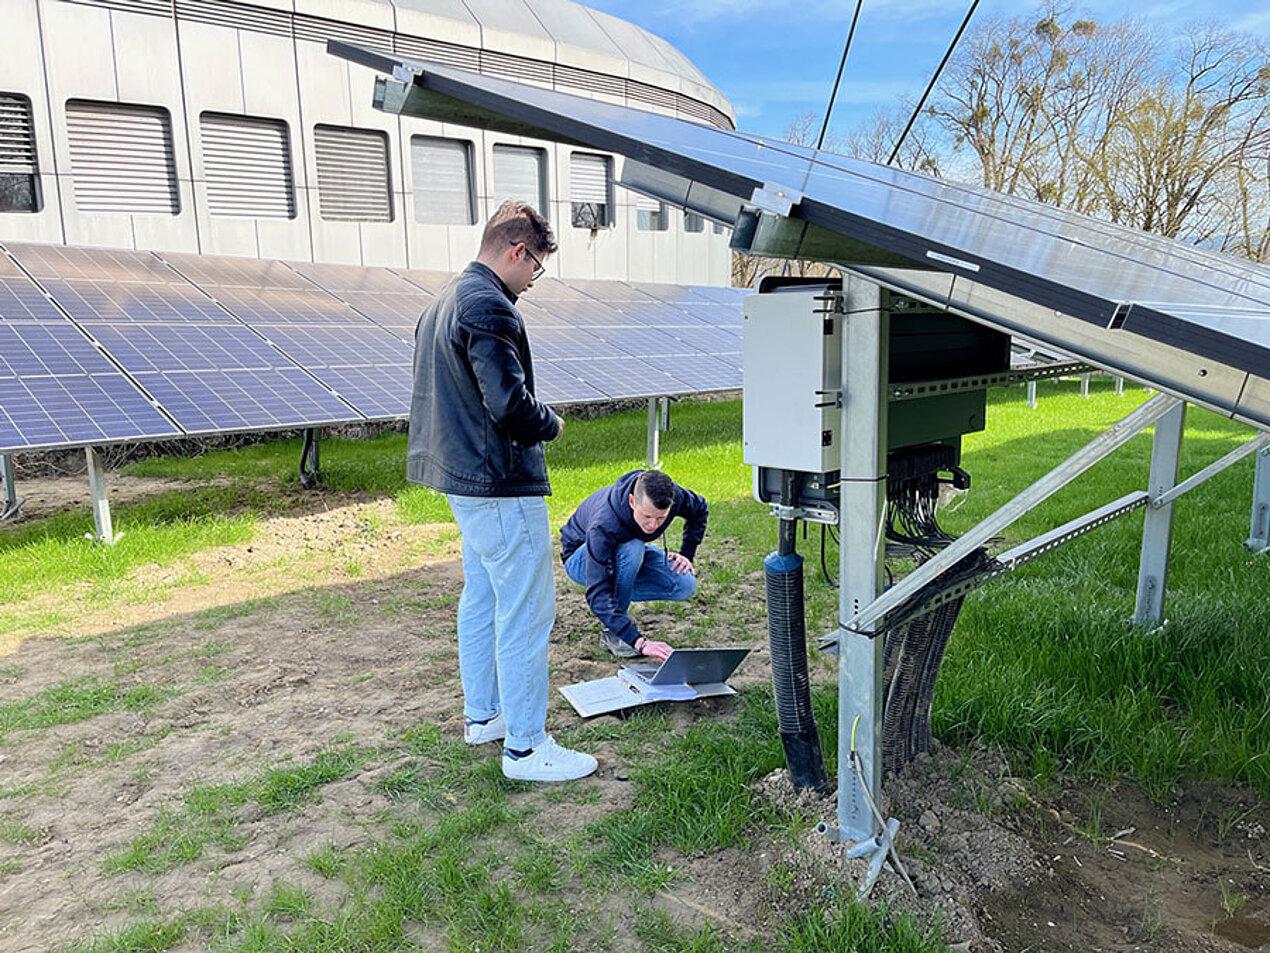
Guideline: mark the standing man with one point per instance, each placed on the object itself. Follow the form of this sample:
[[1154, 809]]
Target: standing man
[[476, 435], [607, 546]]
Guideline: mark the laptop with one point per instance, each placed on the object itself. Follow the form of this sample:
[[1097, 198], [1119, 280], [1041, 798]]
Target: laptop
[[691, 667]]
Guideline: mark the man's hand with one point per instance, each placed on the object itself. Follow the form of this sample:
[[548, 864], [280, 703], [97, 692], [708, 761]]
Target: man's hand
[[658, 650], [680, 563], [559, 426]]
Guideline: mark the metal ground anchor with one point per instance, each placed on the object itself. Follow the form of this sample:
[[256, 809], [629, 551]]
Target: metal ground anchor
[[876, 848]]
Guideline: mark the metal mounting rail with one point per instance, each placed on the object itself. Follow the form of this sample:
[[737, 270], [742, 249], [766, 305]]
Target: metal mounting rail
[[916, 389], [1013, 558]]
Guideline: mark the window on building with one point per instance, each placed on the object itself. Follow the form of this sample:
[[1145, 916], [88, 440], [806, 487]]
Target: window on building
[[590, 190], [520, 176], [650, 215], [352, 174], [122, 159], [694, 222], [19, 174], [247, 165], [441, 173]]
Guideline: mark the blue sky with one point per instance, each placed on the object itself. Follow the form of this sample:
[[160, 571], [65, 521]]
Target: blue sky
[[774, 59]]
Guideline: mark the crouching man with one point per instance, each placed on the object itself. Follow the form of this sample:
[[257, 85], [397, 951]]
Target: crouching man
[[607, 546]]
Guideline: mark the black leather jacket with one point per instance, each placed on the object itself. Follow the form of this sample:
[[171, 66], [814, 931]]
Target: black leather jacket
[[476, 428]]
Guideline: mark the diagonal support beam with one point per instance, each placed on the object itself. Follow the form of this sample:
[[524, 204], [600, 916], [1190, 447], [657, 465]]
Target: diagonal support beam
[[1214, 468], [1100, 447]]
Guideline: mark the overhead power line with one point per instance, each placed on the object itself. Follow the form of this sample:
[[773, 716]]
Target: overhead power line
[[834, 95], [931, 85]]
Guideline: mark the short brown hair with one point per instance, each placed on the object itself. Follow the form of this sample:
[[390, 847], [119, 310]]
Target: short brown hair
[[655, 487], [517, 222]]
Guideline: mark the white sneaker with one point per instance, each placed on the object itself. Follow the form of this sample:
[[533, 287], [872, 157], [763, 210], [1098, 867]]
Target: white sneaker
[[475, 733], [548, 762]]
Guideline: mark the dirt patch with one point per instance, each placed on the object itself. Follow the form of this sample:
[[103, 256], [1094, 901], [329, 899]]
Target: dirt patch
[[336, 624]]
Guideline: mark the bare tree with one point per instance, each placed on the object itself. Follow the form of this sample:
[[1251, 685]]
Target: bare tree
[[1186, 144]]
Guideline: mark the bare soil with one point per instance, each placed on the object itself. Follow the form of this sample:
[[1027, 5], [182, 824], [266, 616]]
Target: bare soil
[[338, 623]]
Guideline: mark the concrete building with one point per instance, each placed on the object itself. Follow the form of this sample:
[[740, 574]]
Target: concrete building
[[224, 128]]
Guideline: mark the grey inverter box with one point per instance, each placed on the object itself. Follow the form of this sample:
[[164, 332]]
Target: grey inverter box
[[792, 355]]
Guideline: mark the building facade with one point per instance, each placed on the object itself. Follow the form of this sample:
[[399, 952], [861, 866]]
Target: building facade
[[224, 128]]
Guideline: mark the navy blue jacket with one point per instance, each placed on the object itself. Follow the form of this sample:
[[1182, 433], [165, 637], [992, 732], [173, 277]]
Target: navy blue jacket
[[604, 522], [476, 428]]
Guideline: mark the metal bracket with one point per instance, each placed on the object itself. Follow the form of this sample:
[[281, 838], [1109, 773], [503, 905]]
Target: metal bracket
[[12, 502], [775, 199], [835, 394], [917, 389], [825, 513]]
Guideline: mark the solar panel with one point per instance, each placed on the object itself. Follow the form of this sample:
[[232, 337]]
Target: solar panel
[[38, 413], [318, 346], [641, 341], [397, 311], [340, 278], [1148, 303], [659, 314], [559, 343], [622, 377], [699, 372], [433, 282], [381, 392], [116, 301], [68, 262], [20, 300], [553, 385], [219, 401], [168, 347], [215, 272]]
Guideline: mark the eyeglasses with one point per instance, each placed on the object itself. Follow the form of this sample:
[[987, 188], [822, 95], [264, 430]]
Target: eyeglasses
[[540, 268]]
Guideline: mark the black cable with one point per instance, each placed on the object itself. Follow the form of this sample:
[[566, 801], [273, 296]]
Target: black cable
[[838, 79], [931, 85]]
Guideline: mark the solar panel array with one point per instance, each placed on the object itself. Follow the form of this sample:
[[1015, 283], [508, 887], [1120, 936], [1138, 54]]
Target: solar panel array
[[1187, 320], [100, 346]]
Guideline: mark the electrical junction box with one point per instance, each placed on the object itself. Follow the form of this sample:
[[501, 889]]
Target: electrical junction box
[[792, 369], [792, 354]]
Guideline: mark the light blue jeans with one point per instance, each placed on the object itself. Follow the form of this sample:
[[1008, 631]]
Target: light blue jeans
[[506, 612], [643, 574]]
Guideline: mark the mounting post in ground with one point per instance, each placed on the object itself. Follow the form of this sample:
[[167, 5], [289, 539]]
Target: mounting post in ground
[[861, 512], [11, 502], [101, 505], [1119, 386], [310, 460], [658, 423], [1031, 394], [1084, 384], [1157, 528], [1259, 538]]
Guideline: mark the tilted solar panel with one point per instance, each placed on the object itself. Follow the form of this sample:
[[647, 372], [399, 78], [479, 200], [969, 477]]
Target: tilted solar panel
[[1197, 324], [555, 385]]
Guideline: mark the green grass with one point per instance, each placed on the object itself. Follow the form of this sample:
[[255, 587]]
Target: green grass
[[52, 552], [76, 700], [210, 814]]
